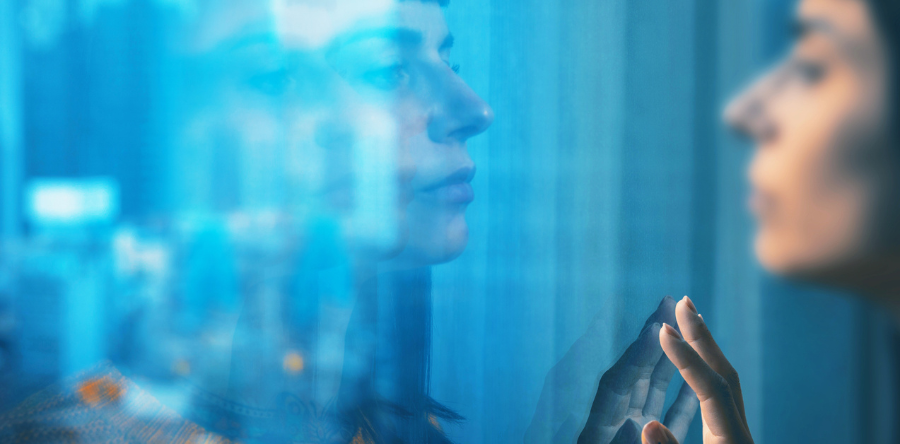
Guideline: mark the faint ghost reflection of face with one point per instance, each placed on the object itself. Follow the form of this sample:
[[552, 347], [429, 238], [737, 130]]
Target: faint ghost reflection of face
[[300, 135], [824, 171], [380, 134]]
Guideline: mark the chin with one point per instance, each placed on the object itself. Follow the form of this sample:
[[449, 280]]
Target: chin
[[454, 243], [806, 263], [433, 243], [775, 257]]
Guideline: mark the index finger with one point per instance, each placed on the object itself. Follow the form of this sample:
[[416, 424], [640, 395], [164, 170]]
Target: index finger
[[697, 334], [720, 415]]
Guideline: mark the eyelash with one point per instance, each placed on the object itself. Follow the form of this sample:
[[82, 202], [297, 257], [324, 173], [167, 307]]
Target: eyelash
[[455, 68]]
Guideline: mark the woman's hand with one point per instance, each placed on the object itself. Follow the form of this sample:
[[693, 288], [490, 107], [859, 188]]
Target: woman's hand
[[705, 369], [632, 392]]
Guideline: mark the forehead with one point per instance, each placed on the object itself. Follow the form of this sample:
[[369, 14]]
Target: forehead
[[424, 17], [846, 20]]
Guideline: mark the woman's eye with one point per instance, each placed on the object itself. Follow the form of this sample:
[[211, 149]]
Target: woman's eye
[[810, 73], [455, 68], [388, 78]]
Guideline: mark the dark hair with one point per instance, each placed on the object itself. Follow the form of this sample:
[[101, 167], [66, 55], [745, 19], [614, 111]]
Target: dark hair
[[886, 15], [398, 305]]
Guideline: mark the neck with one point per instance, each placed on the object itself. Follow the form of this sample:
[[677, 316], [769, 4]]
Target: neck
[[879, 282], [886, 295]]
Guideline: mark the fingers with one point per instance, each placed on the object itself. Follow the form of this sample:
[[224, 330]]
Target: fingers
[[649, 394], [659, 384], [638, 361], [699, 337], [614, 391], [720, 415], [681, 413], [656, 433], [629, 433]]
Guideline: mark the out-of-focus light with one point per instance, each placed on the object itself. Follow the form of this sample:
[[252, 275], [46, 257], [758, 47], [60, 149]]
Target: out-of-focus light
[[72, 202], [293, 363], [181, 367]]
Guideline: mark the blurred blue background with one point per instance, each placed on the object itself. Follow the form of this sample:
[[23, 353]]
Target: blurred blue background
[[605, 183]]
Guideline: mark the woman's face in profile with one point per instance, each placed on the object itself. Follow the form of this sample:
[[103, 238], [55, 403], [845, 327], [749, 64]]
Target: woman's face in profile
[[438, 112], [400, 68], [824, 170]]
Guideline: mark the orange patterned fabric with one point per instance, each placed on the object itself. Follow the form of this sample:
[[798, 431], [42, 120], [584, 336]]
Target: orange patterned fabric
[[100, 390], [98, 406], [102, 406]]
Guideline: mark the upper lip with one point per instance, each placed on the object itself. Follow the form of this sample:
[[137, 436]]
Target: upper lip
[[462, 175]]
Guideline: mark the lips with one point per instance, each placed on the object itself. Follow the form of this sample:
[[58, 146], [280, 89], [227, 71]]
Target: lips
[[454, 188], [761, 204]]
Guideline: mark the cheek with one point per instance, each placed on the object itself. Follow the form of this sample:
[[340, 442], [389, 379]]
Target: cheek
[[822, 204], [411, 118]]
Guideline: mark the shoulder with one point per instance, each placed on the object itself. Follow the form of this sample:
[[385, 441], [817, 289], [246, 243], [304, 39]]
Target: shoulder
[[99, 405]]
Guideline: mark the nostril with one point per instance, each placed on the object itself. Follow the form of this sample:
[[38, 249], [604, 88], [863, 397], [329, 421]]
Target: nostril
[[766, 133], [468, 132], [740, 130], [479, 123], [747, 119]]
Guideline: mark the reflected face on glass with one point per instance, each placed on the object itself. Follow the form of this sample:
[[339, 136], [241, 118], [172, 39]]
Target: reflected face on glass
[[824, 168], [438, 112]]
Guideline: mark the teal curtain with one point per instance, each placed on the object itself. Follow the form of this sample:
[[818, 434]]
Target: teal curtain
[[608, 182]]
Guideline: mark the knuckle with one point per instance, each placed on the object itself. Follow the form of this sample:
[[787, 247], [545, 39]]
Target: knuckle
[[721, 386], [731, 377]]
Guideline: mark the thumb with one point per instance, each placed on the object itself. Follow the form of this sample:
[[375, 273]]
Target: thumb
[[656, 433]]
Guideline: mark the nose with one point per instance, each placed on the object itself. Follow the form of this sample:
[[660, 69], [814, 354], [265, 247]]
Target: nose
[[747, 114], [459, 114]]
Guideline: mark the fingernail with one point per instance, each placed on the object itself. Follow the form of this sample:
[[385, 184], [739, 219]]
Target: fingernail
[[653, 433], [690, 304], [672, 332], [665, 299]]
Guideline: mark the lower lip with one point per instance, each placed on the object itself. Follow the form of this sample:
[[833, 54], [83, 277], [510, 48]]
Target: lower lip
[[458, 193]]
